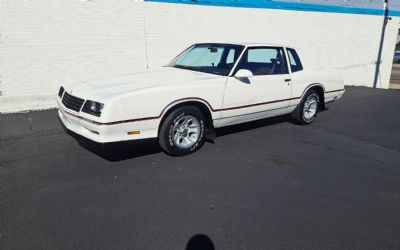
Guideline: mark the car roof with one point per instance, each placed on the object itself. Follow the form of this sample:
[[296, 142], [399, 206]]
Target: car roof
[[249, 44], [263, 44]]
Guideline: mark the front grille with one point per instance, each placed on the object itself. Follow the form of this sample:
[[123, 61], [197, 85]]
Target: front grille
[[72, 102]]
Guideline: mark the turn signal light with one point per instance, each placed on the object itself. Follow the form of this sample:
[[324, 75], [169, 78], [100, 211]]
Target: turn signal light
[[134, 133]]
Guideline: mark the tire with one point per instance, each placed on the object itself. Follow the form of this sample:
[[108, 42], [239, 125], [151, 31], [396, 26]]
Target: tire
[[183, 131], [307, 110]]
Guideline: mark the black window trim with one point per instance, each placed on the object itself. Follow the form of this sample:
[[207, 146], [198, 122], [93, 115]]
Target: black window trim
[[288, 60], [239, 61]]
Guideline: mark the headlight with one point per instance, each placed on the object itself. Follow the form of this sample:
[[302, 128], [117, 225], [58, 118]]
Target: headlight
[[61, 92], [93, 108]]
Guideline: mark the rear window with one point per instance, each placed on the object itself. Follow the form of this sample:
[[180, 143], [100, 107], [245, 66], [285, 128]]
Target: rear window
[[294, 60]]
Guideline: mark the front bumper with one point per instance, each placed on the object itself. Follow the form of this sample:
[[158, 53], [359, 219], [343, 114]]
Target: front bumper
[[105, 133], [87, 129]]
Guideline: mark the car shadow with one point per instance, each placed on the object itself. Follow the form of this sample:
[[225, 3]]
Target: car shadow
[[117, 151], [251, 125], [257, 124], [120, 151], [200, 242]]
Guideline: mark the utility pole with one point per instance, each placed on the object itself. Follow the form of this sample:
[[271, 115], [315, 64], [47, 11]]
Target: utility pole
[[379, 59]]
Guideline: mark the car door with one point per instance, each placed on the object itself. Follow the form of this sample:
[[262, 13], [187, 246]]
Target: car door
[[266, 93]]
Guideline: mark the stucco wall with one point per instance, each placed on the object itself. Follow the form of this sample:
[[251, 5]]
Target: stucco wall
[[43, 40]]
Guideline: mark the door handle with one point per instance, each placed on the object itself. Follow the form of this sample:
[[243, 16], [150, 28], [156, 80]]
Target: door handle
[[288, 80]]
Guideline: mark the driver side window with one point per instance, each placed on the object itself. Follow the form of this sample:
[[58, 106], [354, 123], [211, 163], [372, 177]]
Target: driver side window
[[264, 61]]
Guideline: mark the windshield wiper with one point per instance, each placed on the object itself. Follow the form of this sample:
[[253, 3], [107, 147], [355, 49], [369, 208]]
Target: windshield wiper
[[215, 70], [183, 67]]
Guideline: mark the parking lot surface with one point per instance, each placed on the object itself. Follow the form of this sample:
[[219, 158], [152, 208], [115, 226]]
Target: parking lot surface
[[262, 185]]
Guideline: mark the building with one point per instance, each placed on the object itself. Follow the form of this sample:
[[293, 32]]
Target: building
[[42, 41]]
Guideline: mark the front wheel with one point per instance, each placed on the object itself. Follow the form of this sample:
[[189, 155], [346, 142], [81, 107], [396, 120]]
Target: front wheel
[[182, 132], [306, 111]]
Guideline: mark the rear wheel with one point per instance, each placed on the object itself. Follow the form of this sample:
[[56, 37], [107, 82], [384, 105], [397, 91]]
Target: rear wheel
[[306, 111], [182, 132]]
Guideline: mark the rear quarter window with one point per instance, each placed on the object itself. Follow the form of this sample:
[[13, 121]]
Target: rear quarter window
[[294, 60]]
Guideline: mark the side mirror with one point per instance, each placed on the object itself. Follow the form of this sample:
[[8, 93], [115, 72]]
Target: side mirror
[[243, 73]]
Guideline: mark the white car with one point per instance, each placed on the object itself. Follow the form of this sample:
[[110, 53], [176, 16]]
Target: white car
[[396, 58], [205, 87]]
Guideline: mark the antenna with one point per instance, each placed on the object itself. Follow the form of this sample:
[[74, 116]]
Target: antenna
[[145, 42]]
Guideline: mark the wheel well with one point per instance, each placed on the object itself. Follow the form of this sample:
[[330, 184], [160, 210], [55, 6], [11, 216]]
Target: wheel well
[[321, 94], [201, 106]]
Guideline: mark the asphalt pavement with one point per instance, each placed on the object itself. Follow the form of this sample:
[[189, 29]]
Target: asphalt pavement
[[264, 185]]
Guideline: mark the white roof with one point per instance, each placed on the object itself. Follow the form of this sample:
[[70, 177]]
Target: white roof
[[250, 44], [262, 44]]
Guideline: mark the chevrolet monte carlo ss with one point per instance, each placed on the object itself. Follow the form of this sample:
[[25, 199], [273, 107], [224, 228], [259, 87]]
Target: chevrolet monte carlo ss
[[205, 87]]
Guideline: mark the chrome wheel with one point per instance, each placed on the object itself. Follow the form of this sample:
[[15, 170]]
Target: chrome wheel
[[310, 107], [186, 131]]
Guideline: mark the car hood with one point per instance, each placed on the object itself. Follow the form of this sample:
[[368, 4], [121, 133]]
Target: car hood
[[159, 79]]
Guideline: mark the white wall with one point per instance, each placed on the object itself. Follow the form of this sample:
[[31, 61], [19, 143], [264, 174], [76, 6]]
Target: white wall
[[42, 40]]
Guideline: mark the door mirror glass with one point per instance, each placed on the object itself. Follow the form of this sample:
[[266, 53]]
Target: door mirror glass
[[243, 73]]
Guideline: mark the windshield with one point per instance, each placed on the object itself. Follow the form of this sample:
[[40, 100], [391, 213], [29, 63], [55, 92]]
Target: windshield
[[216, 59]]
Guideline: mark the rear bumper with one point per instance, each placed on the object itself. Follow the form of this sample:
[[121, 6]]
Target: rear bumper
[[332, 96]]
